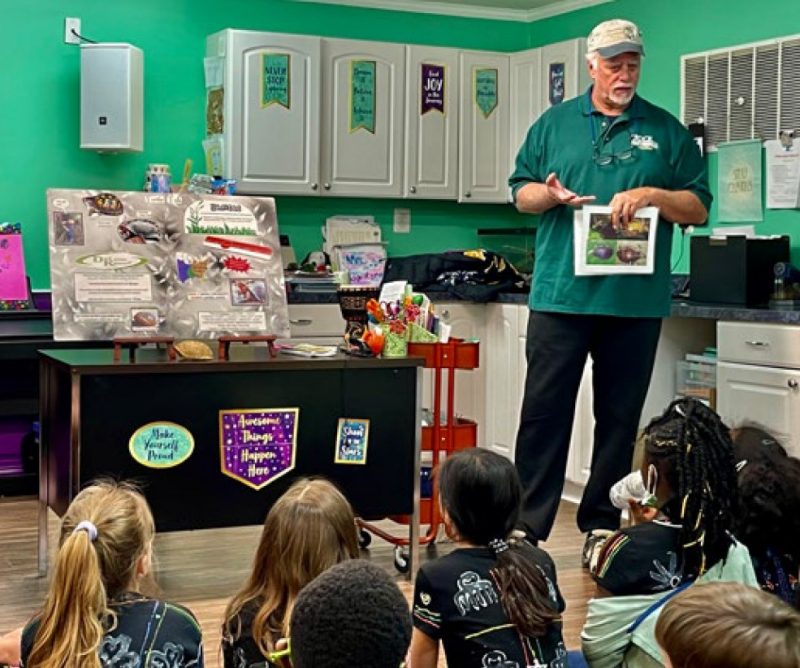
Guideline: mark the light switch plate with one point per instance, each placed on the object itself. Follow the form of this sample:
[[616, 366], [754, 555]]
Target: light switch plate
[[402, 221]]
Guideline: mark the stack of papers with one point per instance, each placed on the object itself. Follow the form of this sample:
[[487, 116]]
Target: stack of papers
[[306, 349], [343, 230]]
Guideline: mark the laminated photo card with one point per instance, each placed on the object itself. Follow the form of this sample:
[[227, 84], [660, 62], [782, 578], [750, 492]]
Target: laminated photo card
[[602, 248]]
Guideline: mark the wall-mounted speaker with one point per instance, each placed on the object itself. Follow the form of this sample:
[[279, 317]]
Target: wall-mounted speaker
[[112, 97]]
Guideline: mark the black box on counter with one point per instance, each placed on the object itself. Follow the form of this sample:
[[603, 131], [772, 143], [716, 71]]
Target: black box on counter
[[735, 269]]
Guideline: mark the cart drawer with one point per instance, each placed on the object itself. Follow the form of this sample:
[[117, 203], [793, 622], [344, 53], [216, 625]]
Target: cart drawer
[[460, 435]]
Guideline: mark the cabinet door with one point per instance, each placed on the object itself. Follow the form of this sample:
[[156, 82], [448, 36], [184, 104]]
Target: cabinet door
[[504, 356], [484, 127], [564, 73], [272, 129], [362, 110], [432, 93], [526, 97], [579, 461], [767, 396]]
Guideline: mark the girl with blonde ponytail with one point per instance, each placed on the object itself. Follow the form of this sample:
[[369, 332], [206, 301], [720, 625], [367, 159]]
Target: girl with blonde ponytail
[[93, 616]]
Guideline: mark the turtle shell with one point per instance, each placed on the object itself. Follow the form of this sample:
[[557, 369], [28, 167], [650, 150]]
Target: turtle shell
[[194, 350]]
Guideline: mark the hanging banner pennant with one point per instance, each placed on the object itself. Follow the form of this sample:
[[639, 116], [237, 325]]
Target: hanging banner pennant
[[258, 444], [485, 90], [362, 95], [432, 89], [557, 83], [275, 81]]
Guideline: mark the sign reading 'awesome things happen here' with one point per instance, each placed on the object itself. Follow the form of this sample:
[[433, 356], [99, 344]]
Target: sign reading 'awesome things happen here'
[[258, 444]]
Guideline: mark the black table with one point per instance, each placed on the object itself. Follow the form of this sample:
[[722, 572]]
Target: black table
[[90, 408]]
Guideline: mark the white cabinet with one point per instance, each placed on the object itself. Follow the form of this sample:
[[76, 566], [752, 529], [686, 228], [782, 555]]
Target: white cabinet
[[581, 443], [484, 127], [362, 111], [271, 142], [307, 116], [564, 73], [504, 357], [526, 97], [758, 378], [431, 141]]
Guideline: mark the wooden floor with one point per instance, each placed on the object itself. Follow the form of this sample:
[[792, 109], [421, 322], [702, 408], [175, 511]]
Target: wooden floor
[[201, 569]]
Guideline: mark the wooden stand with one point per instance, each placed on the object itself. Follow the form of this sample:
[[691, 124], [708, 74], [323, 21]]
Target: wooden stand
[[132, 343], [225, 342]]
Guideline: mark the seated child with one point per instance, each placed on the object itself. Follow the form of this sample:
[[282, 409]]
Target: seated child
[[728, 624], [351, 615], [768, 520], [493, 601], [93, 615], [690, 480], [309, 529]]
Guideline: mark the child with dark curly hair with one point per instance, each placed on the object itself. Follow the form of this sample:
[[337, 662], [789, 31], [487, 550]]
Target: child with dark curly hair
[[768, 519]]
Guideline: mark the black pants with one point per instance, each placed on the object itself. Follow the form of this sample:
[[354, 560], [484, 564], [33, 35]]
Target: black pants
[[623, 351]]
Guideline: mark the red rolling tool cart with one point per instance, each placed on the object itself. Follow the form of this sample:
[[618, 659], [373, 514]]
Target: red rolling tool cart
[[447, 434]]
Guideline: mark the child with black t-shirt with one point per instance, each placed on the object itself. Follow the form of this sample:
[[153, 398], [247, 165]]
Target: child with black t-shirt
[[493, 601]]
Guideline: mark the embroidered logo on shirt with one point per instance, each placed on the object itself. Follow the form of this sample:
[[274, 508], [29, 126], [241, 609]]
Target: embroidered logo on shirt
[[644, 142], [425, 598], [670, 576], [473, 593]]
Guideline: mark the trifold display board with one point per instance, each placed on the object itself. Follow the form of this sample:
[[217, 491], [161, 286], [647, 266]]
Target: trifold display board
[[164, 264]]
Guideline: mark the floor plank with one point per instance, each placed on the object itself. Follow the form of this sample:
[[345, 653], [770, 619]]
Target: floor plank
[[201, 569]]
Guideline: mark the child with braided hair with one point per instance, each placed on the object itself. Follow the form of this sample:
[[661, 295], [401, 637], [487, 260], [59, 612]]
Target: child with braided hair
[[690, 477], [493, 601]]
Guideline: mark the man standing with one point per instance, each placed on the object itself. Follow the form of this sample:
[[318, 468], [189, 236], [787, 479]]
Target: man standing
[[607, 146]]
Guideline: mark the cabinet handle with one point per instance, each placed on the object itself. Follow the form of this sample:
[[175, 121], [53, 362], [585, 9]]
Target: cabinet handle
[[327, 186], [758, 344], [792, 383], [314, 186], [467, 195], [412, 189], [301, 322]]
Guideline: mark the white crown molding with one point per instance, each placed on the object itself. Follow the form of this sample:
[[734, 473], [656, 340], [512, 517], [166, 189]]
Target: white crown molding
[[561, 8], [467, 11]]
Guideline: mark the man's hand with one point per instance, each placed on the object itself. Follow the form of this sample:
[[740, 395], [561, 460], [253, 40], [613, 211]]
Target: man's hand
[[624, 205], [562, 195]]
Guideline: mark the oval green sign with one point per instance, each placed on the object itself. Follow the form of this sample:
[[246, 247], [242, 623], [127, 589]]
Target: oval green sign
[[161, 445]]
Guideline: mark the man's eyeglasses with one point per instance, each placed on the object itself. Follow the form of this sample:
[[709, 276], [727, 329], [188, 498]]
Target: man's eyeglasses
[[603, 159]]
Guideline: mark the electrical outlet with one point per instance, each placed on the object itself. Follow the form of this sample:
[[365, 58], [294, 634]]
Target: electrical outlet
[[71, 25]]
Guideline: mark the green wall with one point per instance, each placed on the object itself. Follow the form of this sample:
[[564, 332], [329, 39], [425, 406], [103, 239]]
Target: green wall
[[40, 81], [40, 106], [672, 29]]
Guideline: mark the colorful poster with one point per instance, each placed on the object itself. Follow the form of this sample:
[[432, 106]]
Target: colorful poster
[[258, 444], [161, 445], [215, 115], [352, 438], [486, 90], [362, 95], [13, 281], [276, 80], [556, 86], [432, 88], [739, 181]]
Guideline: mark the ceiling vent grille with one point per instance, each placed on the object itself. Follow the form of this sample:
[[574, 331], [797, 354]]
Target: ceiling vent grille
[[746, 92]]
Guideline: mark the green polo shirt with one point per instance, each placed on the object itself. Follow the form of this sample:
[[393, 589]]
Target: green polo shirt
[[562, 141]]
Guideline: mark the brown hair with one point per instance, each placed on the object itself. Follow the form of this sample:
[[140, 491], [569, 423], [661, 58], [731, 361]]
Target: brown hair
[[729, 625], [89, 571], [309, 529]]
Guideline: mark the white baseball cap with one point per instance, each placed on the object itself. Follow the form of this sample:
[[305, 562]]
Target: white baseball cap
[[611, 38]]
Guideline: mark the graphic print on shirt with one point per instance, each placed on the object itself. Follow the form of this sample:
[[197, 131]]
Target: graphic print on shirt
[[667, 576], [473, 593], [497, 659]]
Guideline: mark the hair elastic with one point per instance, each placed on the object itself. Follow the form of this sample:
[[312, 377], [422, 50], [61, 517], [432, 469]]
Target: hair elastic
[[88, 527], [498, 545]]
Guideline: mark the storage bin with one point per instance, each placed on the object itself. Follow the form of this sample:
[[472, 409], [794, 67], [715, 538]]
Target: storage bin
[[698, 380]]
